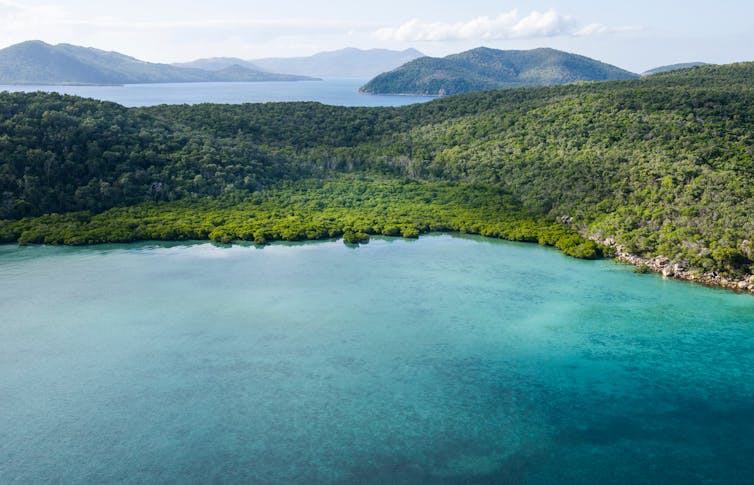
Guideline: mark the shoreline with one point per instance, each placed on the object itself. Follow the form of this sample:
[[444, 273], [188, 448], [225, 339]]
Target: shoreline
[[410, 95], [662, 266]]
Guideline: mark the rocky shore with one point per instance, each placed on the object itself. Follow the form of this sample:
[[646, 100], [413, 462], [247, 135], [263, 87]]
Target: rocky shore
[[664, 266]]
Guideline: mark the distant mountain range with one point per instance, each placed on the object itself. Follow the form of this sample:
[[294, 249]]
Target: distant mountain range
[[672, 67], [36, 62], [343, 63], [393, 72], [484, 68], [217, 64]]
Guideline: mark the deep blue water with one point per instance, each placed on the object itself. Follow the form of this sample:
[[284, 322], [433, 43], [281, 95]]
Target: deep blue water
[[339, 92], [442, 360]]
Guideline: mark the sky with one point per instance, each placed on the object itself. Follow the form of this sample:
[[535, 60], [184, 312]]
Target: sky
[[636, 35]]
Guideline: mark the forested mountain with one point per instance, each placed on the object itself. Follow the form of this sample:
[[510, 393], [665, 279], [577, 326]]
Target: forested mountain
[[663, 165], [672, 67], [484, 68], [36, 62], [344, 63]]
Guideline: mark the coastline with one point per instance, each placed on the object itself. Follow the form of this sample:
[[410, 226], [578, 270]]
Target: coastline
[[413, 95], [662, 265]]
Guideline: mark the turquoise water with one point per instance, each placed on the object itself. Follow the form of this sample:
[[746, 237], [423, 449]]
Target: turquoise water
[[338, 92], [442, 360]]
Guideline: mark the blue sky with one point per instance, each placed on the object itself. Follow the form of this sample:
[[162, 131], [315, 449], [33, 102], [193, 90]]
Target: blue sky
[[636, 35]]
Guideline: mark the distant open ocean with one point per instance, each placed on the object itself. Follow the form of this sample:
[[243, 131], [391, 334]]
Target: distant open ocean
[[339, 92]]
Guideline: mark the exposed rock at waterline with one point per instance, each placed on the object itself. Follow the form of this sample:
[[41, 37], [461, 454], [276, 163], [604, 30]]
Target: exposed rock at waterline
[[662, 265]]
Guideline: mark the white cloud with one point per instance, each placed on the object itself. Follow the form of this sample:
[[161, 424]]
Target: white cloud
[[19, 20], [592, 29], [17, 16], [183, 37], [213, 24], [507, 25], [544, 24], [602, 29]]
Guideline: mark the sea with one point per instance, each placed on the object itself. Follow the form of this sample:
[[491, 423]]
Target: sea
[[448, 359], [337, 92]]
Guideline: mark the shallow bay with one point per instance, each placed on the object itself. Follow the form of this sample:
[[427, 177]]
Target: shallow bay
[[443, 360]]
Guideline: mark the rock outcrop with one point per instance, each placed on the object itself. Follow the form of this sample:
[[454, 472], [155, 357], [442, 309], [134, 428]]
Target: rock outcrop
[[665, 267]]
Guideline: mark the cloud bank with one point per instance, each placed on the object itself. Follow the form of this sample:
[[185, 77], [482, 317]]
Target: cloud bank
[[18, 17], [507, 25]]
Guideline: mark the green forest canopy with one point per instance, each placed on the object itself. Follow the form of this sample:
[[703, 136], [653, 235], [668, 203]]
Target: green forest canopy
[[663, 165]]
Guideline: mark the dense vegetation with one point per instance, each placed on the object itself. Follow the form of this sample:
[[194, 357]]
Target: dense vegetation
[[672, 67], [663, 165], [483, 68], [36, 62], [348, 206]]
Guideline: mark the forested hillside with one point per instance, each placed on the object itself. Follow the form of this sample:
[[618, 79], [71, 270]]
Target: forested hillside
[[672, 67], [662, 165], [484, 68]]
